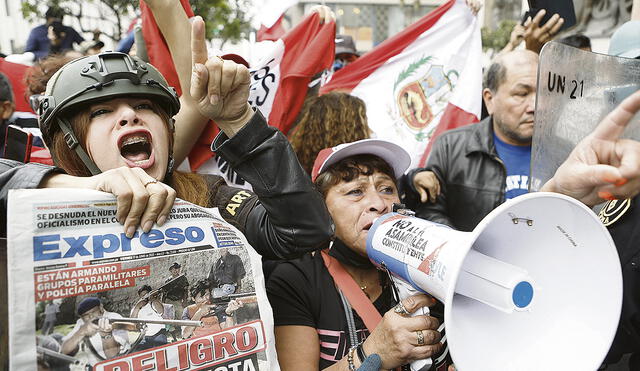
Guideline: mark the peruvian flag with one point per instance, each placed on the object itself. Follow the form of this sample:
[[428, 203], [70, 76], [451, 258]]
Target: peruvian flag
[[271, 17], [421, 82], [279, 80], [272, 33], [157, 49]]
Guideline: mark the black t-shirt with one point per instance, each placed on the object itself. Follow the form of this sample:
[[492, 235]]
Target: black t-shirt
[[622, 218], [303, 293]]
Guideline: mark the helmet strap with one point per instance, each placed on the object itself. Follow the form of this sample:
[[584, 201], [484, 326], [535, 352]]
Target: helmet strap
[[74, 144], [171, 162]]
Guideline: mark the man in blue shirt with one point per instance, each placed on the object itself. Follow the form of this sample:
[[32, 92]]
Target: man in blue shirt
[[39, 42], [479, 166]]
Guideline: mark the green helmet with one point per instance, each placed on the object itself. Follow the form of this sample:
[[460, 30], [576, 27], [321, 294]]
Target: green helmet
[[94, 78]]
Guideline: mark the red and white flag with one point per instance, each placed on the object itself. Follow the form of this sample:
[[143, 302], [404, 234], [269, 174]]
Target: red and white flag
[[421, 82], [272, 33], [279, 80], [271, 16], [157, 48]]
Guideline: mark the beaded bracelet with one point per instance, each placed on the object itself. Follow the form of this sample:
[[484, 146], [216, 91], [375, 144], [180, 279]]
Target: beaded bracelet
[[352, 366]]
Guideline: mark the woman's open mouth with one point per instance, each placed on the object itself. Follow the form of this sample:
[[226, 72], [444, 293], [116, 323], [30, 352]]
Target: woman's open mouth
[[135, 148]]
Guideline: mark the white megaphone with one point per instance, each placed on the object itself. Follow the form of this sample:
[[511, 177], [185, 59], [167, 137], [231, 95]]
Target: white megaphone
[[536, 286]]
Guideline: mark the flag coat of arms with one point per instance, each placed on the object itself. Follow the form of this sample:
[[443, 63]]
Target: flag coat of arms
[[421, 82]]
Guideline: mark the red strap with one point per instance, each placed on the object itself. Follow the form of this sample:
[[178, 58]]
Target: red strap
[[356, 297]]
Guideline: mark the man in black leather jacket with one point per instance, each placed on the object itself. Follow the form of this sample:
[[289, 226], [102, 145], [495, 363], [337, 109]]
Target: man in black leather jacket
[[465, 160]]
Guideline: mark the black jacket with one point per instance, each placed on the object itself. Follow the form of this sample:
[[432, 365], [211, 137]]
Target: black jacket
[[472, 177], [282, 218]]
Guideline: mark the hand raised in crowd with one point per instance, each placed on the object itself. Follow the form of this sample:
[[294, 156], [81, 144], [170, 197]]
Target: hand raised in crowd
[[141, 200], [602, 166], [326, 14], [427, 185], [515, 39], [220, 87], [396, 339], [535, 36], [474, 5]]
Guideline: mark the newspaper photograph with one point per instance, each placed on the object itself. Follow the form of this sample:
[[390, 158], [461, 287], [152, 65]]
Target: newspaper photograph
[[188, 295]]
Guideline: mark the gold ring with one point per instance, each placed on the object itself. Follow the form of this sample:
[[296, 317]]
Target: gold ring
[[420, 337], [400, 309], [150, 182]]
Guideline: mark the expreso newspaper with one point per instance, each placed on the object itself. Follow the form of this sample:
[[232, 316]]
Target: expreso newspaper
[[188, 295]]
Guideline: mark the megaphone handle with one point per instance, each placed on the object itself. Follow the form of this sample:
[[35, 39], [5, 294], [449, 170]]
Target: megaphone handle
[[404, 291]]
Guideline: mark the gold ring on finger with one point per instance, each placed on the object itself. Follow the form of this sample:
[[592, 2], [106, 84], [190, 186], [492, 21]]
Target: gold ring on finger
[[150, 182], [400, 309], [420, 337]]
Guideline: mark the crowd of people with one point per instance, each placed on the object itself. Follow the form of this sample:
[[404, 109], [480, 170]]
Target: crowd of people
[[313, 196]]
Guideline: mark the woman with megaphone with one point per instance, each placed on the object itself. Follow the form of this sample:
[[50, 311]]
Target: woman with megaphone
[[335, 308], [335, 311]]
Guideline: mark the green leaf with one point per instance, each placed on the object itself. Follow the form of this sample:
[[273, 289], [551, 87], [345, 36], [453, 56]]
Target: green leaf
[[411, 69]]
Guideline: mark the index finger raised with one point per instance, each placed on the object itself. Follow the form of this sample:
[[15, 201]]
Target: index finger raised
[[198, 46], [615, 122]]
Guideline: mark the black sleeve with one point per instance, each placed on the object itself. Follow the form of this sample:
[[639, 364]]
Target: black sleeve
[[290, 217], [437, 162], [288, 291], [16, 175]]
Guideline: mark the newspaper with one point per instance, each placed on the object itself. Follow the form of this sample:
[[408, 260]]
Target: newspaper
[[74, 280]]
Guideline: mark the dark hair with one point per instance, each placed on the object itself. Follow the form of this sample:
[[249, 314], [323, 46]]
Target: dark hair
[[54, 12], [144, 288], [349, 169], [6, 93], [577, 41], [202, 286], [495, 76], [58, 28]]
